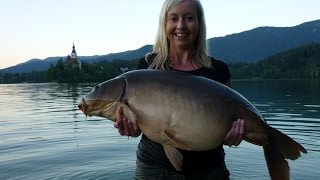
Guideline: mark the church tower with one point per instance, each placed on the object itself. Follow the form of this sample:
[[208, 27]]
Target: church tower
[[73, 53], [73, 58]]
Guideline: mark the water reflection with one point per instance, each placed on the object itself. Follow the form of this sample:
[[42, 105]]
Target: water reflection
[[293, 108], [44, 135]]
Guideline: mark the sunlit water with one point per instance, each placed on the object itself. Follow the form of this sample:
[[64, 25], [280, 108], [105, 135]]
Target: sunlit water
[[43, 135]]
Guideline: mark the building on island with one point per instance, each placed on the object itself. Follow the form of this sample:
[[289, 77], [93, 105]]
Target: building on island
[[73, 58]]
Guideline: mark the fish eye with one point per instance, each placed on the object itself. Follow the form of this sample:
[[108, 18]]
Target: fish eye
[[96, 88]]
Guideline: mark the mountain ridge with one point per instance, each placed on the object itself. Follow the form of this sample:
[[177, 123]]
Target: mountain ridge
[[261, 42], [247, 46]]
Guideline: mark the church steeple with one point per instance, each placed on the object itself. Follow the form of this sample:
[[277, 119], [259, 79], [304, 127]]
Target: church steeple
[[73, 59], [73, 53]]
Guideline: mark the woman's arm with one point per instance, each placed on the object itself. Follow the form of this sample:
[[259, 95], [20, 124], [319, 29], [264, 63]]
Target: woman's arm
[[235, 135], [124, 126]]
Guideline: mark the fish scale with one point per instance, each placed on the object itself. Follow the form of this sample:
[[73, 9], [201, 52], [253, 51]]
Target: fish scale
[[172, 108]]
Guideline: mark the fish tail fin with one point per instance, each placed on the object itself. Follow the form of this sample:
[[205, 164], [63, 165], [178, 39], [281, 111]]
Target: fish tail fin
[[278, 167], [280, 148], [288, 147]]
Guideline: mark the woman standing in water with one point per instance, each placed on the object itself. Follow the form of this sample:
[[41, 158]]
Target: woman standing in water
[[181, 46]]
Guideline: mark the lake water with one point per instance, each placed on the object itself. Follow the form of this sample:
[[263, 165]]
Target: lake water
[[43, 135]]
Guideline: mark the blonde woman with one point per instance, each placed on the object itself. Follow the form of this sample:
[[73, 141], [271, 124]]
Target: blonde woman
[[181, 46]]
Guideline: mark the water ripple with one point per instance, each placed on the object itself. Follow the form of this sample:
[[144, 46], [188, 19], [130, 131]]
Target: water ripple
[[43, 135]]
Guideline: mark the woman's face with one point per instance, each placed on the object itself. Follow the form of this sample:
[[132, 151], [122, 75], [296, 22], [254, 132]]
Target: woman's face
[[182, 25]]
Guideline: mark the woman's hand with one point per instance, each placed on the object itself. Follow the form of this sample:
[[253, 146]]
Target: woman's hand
[[124, 126], [235, 135]]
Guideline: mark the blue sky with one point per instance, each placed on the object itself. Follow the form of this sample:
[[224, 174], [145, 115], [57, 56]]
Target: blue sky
[[44, 28]]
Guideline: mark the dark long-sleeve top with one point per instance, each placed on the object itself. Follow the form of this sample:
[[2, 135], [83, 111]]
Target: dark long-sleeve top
[[152, 153]]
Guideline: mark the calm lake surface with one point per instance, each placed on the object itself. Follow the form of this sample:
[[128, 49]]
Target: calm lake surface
[[43, 135]]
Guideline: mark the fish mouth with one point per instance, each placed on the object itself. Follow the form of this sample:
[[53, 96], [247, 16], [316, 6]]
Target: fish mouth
[[83, 106], [93, 109]]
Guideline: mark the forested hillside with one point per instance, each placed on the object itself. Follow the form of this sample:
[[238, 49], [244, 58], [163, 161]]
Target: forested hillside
[[298, 63], [262, 42]]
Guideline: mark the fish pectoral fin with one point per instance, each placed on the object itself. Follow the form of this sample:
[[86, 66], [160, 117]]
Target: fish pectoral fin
[[174, 156], [170, 135], [130, 115]]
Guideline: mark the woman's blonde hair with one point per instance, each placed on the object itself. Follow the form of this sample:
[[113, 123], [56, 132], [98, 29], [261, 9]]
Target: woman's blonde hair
[[161, 45]]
